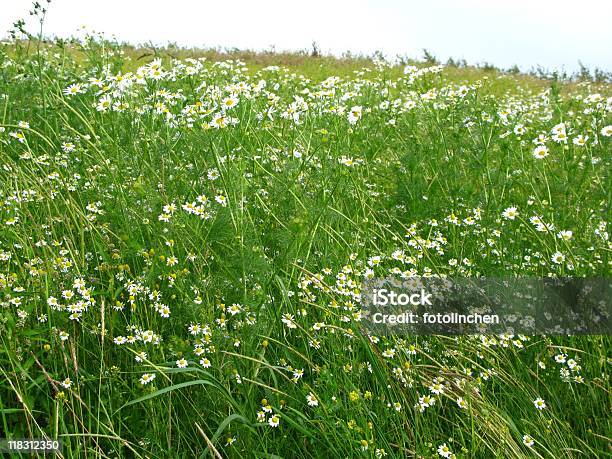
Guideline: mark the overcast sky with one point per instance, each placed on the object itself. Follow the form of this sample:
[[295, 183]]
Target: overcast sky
[[551, 33]]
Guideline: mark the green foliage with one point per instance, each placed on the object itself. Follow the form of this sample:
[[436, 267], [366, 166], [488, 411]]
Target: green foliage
[[183, 243]]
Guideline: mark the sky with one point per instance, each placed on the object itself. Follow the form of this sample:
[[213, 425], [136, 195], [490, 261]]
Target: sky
[[554, 34]]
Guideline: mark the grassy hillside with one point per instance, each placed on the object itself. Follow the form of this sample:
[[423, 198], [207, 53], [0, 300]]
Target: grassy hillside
[[310, 63], [185, 235]]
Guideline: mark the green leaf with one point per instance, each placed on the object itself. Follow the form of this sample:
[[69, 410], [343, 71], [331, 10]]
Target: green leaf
[[159, 392]]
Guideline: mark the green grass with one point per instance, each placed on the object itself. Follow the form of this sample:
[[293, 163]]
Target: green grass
[[291, 209]]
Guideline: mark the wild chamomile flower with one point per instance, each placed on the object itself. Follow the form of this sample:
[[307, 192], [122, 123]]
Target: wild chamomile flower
[[229, 102], [389, 353], [606, 131], [528, 441], [234, 309], [221, 199], [561, 358], [171, 261], [444, 451], [346, 161], [147, 336], [312, 400], [73, 89], [213, 174], [539, 403], [557, 258], [221, 120], [274, 420], [355, 114], [146, 378], [297, 374], [580, 140], [572, 364], [289, 320], [540, 152], [519, 129], [427, 400], [510, 213], [104, 104], [436, 388], [558, 128], [163, 310], [182, 363]]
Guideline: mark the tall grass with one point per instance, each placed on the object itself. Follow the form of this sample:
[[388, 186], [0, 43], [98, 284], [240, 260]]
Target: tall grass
[[141, 234]]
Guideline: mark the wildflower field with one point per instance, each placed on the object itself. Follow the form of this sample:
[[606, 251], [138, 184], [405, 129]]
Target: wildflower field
[[183, 244]]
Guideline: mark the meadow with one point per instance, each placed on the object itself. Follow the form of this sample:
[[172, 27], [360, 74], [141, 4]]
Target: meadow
[[183, 243]]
